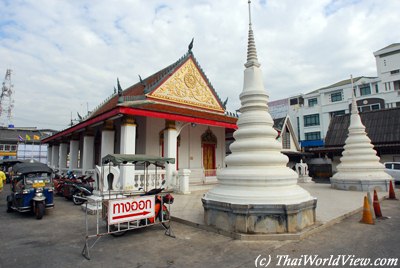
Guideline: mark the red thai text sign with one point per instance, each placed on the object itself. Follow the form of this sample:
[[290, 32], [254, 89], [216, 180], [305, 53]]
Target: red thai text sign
[[130, 209]]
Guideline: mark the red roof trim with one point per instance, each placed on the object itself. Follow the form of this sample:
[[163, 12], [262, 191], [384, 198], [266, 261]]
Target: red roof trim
[[131, 111], [83, 125]]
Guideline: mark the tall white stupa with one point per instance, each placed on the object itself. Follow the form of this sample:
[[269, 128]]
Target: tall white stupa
[[359, 168], [257, 192]]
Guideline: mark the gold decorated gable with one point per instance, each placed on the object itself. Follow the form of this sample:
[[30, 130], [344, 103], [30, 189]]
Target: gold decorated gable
[[187, 86]]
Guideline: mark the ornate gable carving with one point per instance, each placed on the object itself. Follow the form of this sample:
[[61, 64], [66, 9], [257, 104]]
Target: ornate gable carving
[[187, 86]]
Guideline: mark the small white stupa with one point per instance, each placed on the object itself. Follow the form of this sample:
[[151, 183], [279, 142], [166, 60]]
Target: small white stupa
[[257, 192], [359, 168], [302, 170]]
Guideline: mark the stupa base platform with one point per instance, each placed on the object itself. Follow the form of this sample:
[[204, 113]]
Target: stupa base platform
[[360, 185], [259, 218]]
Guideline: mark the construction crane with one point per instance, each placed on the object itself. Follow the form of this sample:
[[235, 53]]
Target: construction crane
[[6, 101]]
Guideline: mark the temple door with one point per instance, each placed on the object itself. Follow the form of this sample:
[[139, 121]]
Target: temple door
[[209, 159], [209, 143]]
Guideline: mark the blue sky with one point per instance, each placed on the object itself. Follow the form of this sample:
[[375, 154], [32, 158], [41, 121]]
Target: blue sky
[[66, 55]]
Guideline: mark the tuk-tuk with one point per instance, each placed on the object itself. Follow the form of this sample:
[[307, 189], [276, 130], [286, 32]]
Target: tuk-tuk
[[31, 189]]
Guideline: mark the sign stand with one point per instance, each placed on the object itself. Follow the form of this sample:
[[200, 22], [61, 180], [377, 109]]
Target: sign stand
[[125, 211]]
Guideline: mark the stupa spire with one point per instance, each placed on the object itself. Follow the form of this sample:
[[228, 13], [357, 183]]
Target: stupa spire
[[251, 46], [256, 186], [354, 107]]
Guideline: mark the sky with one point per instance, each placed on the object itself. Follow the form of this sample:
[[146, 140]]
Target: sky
[[66, 55]]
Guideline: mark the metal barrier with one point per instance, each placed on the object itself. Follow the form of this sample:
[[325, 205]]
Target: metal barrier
[[117, 214]]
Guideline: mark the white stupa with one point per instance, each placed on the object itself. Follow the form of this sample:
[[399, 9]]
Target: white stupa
[[359, 168], [256, 187]]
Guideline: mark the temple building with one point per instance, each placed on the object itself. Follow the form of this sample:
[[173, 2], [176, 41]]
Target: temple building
[[175, 112]]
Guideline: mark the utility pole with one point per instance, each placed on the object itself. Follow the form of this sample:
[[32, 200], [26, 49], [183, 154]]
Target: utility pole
[[7, 101]]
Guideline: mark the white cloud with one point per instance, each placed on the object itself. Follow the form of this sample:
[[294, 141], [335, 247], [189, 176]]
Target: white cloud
[[67, 54]]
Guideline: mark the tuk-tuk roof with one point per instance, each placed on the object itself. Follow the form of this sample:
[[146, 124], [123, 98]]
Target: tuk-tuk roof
[[31, 168], [117, 159], [11, 162]]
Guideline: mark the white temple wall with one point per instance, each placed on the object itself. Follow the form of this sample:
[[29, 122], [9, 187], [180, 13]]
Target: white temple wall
[[184, 148], [153, 128], [196, 152], [190, 149], [196, 157]]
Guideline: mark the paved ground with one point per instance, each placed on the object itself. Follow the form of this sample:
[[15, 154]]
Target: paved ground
[[57, 241], [332, 204]]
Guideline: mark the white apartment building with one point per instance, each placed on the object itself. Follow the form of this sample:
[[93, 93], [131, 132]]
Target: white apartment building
[[311, 113]]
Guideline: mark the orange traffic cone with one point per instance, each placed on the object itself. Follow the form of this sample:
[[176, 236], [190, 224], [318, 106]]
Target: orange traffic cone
[[377, 206], [392, 195], [367, 216]]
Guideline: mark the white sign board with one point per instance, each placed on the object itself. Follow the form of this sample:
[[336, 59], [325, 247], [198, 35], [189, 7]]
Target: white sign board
[[131, 209]]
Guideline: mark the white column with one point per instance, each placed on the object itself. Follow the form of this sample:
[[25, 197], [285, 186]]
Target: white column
[[128, 146], [55, 156], [170, 145], [107, 140], [49, 156], [63, 155], [88, 153], [184, 181], [73, 154]]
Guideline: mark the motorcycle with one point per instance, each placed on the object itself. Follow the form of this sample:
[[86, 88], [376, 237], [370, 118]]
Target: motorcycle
[[82, 189], [31, 189], [58, 182], [161, 211], [67, 187]]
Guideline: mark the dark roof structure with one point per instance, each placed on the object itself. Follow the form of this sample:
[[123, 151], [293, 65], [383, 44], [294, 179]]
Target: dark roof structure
[[15, 135], [278, 123], [382, 127]]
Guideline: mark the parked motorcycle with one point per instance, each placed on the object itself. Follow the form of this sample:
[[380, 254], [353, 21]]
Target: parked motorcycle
[[161, 211], [58, 182], [68, 187], [83, 189]]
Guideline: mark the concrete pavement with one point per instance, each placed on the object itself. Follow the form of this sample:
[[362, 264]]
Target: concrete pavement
[[57, 241], [332, 207]]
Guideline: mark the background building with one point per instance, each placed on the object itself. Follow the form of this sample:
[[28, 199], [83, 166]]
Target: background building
[[24, 143], [382, 127], [311, 113]]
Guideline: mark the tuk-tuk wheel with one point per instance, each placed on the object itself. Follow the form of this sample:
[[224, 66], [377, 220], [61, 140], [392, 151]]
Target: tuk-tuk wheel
[[39, 210]]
